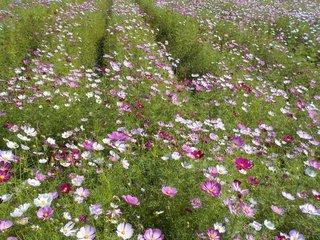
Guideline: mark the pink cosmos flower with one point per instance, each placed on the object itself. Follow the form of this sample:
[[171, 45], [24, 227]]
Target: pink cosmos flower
[[118, 136], [5, 224], [153, 234], [213, 234], [247, 210], [88, 145], [196, 203], [238, 141], [45, 213], [277, 210], [131, 200], [169, 191], [212, 188], [243, 164], [315, 164]]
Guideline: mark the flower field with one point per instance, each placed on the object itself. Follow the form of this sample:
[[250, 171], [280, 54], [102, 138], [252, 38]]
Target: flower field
[[160, 119]]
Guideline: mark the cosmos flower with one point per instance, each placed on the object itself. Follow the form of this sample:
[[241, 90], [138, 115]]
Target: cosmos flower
[[243, 164], [68, 229], [19, 211], [153, 234], [295, 235], [124, 230], [213, 234], [212, 188], [169, 191], [4, 176], [196, 203], [65, 188], [45, 213], [6, 156], [86, 233], [43, 200], [131, 200], [310, 209], [96, 210], [5, 224]]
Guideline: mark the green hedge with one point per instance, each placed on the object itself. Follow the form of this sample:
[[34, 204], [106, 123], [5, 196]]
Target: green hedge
[[183, 34], [21, 34]]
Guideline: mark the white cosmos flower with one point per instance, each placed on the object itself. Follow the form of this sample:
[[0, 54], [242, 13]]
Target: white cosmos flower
[[67, 215], [86, 233], [6, 197], [221, 170], [23, 138], [175, 156], [257, 226], [124, 230], [6, 156], [30, 131], [219, 227], [68, 229], [33, 182], [19, 211], [269, 224], [309, 209], [12, 145], [97, 146], [77, 180], [43, 200], [66, 134], [288, 196]]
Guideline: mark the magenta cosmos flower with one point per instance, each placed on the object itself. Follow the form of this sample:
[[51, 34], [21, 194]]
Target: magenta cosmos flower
[[131, 200], [169, 191], [213, 188], [213, 234], [4, 176], [243, 164], [153, 234], [45, 213]]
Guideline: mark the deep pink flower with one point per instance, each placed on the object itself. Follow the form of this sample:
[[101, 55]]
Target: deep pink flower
[[212, 188], [213, 234], [5, 166], [131, 200], [4, 176], [65, 188], [197, 154], [253, 181], [45, 213], [288, 138], [153, 234], [243, 164], [169, 191]]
